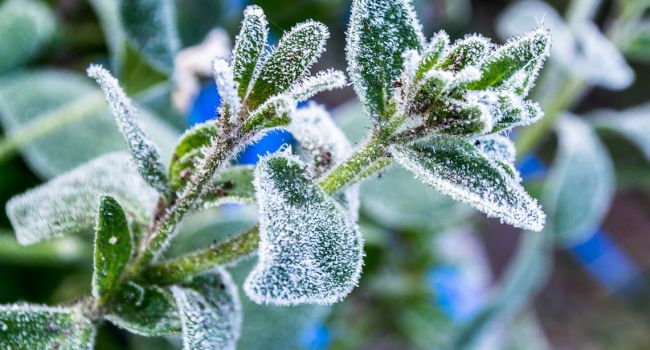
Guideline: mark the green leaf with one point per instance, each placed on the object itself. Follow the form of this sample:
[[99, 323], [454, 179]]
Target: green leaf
[[232, 185], [276, 111], [143, 151], [511, 111], [379, 32], [465, 53], [289, 61], [249, 47], [497, 147], [210, 311], [28, 326], [524, 55], [309, 251], [68, 204], [25, 27], [632, 123], [580, 186], [150, 26], [458, 169], [189, 151], [113, 247], [59, 121], [399, 201], [144, 310], [108, 12], [433, 53]]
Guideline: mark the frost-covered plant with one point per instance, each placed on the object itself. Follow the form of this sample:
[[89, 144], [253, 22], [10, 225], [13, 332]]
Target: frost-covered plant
[[439, 109]]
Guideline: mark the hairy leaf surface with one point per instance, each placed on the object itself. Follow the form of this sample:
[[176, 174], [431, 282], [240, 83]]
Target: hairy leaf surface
[[210, 311], [249, 47], [310, 251], [379, 32], [68, 204], [148, 311], [458, 169], [28, 326], [289, 61]]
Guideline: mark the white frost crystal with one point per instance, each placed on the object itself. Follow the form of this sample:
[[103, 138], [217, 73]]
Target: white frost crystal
[[249, 46], [28, 326], [210, 311], [310, 251], [322, 81], [68, 203], [223, 76], [144, 151], [460, 170]]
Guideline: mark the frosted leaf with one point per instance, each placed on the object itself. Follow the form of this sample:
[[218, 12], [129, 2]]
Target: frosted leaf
[[289, 61], [249, 47], [497, 147], [68, 109], [581, 49], [510, 111], [632, 123], [112, 248], [29, 326], [232, 185], [223, 76], [458, 169], [144, 310], [144, 151], [602, 63], [68, 204], [25, 27], [210, 311], [581, 183], [188, 152], [276, 111], [466, 52], [321, 141], [525, 54], [150, 26], [379, 32], [431, 56], [310, 251], [323, 145], [322, 81]]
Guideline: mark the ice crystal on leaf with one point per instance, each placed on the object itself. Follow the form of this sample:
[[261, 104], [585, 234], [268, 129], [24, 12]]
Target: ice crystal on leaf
[[144, 151], [322, 81], [210, 311], [310, 251], [28, 326], [289, 61], [379, 32], [276, 111], [223, 76], [68, 203], [462, 171], [249, 47]]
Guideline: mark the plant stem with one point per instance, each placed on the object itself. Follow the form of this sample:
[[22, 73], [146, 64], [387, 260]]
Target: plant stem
[[161, 234], [195, 263], [361, 164]]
